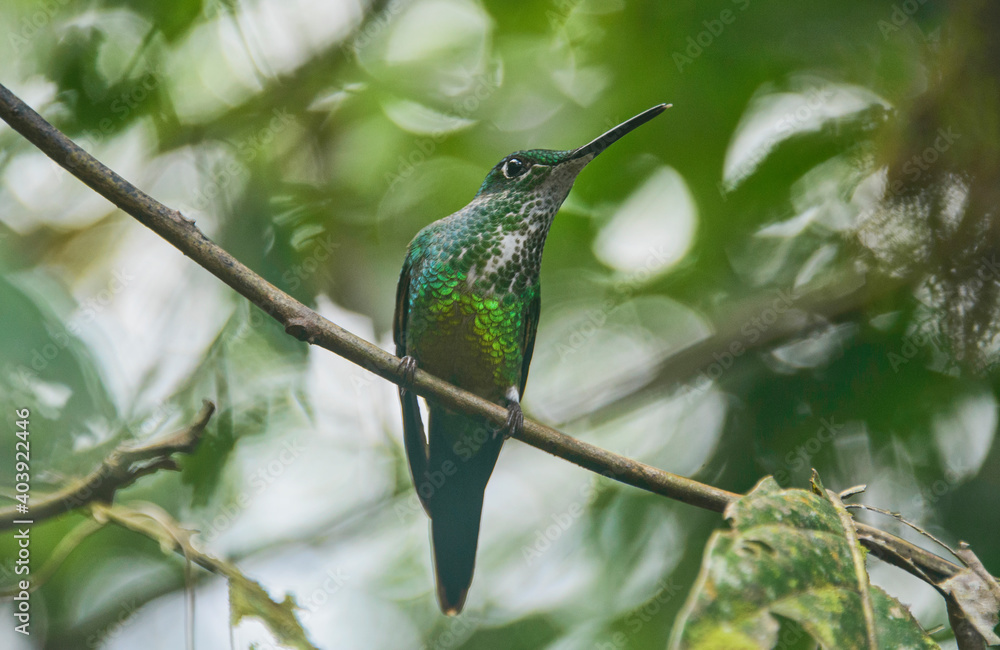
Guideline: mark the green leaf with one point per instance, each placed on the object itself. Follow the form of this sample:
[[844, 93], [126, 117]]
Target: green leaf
[[791, 554], [248, 598]]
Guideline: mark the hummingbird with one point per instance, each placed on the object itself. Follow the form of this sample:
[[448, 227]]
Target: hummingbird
[[467, 308]]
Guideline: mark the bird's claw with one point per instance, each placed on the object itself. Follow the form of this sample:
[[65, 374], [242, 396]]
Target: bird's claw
[[513, 424], [407, 368]]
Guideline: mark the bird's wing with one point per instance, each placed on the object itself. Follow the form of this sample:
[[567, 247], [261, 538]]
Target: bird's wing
[[414, 440], [528, 341], [402, 309]]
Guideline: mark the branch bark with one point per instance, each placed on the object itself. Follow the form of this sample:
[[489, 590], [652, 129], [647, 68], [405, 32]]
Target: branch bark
[[306, 325], [119, 470]]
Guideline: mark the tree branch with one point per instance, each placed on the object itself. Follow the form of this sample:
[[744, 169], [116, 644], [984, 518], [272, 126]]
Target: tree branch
[[121, 469], [305, 324]]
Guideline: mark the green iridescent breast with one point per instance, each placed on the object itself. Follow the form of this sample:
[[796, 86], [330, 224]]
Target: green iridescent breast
[[458, 331]]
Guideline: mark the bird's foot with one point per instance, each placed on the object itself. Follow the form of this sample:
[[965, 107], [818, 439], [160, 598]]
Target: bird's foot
[[514, 423], [408, 369]]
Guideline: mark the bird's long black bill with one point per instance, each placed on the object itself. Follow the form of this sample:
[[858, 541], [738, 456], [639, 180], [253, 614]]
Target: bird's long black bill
[[606, 140]]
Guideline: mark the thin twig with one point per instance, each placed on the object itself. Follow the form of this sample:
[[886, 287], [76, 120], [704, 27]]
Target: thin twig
[[120, 469], [852, 491], [911, 558], [899, 517]]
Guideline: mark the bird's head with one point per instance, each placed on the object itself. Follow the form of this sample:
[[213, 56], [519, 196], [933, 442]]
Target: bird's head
[[551, 173]]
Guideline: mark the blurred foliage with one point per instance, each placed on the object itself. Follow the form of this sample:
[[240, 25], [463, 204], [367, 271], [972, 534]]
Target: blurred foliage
[[811, 150]]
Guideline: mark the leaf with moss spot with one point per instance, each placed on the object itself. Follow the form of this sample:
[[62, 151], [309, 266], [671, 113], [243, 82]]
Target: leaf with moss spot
[[791, 554]]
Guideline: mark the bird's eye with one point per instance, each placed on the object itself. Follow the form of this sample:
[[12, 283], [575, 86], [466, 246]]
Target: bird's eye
[[514, 168]]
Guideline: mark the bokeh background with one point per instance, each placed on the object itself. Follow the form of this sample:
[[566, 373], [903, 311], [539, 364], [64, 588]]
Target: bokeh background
[[793, 267]]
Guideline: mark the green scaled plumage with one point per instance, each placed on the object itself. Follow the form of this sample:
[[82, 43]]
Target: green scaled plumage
[[467, 309]]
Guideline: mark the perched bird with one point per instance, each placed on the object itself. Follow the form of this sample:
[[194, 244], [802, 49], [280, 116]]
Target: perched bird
[[467, 309]]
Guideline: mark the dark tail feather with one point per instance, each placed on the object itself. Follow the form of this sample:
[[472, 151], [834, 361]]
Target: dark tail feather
[[463, 452], [455, 534]]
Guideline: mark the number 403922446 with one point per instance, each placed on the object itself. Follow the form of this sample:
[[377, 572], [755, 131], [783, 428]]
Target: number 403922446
[[22, 450]]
